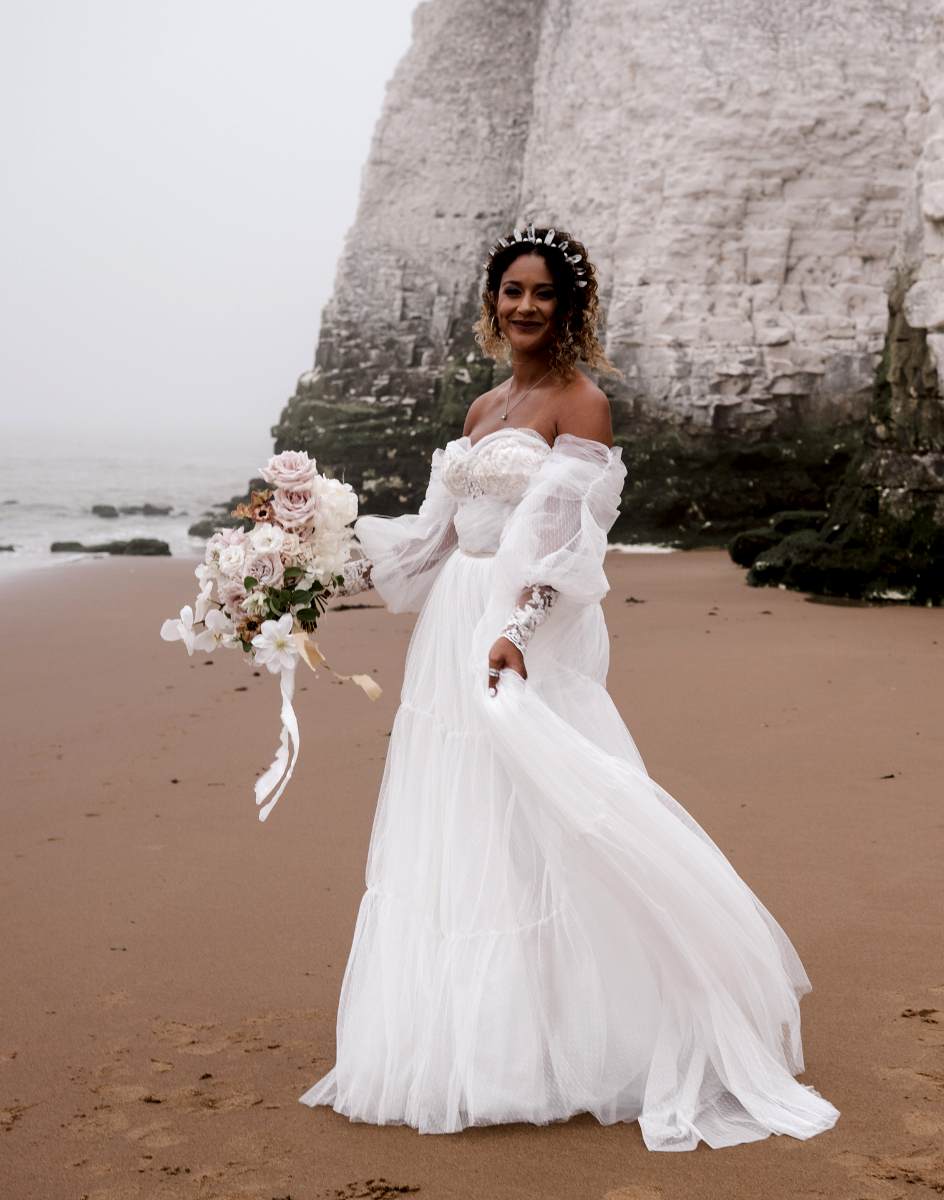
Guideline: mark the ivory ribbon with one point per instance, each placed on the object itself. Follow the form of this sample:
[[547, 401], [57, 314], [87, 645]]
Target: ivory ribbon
[[312, 655], [280, 770]]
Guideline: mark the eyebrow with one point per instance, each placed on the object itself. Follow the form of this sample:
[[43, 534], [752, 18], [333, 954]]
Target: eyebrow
[[517, 282]]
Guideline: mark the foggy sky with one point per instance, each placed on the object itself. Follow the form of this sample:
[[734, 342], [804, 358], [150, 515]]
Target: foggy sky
[[179, 177]]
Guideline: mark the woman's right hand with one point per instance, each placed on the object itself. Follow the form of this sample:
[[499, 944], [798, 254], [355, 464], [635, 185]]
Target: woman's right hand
[[504, 654]]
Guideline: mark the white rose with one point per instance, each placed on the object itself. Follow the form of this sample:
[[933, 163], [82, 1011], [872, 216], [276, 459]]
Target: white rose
[[337, 501], [233, 561], [266, 538]]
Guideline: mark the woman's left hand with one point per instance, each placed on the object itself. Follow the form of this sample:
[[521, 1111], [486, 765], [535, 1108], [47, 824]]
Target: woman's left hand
[[504, 654]]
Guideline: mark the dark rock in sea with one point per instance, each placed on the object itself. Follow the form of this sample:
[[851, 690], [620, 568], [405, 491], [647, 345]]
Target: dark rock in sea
[[2, 548], [11, 501], [104, 510], [133, 546], [745, 547], [149, 546], [147, 509], [207, 526]]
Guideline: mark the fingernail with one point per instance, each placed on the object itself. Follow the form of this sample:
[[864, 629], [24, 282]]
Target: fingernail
[[493, 691]]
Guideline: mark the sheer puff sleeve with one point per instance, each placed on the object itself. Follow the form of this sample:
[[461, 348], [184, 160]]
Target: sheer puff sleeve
[[557, 536], [407, 552]]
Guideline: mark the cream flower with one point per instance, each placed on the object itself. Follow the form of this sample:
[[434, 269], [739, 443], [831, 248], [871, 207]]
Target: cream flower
[[256, 604]]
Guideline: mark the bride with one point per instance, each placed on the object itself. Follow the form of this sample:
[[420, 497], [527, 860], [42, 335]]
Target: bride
[[544, 931]]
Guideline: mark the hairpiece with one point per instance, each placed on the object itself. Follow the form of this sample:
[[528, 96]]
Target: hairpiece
[[576, 260]]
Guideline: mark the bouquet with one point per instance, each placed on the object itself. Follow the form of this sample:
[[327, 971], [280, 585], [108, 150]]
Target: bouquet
[[264, 588]]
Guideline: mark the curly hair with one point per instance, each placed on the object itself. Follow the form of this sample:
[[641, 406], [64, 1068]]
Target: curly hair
[[576, 317]]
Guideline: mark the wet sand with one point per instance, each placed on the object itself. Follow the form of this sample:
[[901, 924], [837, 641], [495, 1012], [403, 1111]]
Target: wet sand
[[171, 966]]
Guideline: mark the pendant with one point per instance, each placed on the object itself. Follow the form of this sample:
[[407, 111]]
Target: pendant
[[504, 416]]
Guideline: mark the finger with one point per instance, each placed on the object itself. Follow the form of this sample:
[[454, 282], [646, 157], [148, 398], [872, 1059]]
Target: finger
[[494, 669]]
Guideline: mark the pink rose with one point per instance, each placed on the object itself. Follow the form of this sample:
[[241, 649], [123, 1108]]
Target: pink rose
[[220, 540], [267, 569], [295, 508], [232, 593], [292, 470]]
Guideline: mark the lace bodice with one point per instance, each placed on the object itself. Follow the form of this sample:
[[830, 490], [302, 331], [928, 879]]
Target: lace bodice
[[499, 465], [541, 512]]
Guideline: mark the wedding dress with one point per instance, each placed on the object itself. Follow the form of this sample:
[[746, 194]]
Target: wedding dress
[[544, 930]]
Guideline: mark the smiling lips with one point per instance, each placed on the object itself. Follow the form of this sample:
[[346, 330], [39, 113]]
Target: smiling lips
[[527, 324]]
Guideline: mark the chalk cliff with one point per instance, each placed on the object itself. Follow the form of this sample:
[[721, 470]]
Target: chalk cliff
[[884, 535], [739, 170]]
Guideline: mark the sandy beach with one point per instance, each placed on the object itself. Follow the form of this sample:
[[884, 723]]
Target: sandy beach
[[172, 966]]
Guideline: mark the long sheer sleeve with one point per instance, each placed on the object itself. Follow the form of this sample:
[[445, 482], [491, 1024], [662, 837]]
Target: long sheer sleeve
[[556, 539], [407, 552]]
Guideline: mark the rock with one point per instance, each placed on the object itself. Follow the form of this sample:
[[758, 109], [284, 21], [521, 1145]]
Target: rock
[[3, 548], [148, 546], [104, 510], [207, 526], [133, 546], [11, 501], [147, 509], [745, 547], [884, 536], [743, 264], [783, 523]]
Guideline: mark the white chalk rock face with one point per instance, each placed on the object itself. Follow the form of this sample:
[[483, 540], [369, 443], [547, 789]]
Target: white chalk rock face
[[739, 172]]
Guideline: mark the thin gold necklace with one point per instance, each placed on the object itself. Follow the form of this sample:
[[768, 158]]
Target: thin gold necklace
[[511, 408]]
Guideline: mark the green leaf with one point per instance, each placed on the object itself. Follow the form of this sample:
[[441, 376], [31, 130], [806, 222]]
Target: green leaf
[[249, 583], [298, 596], [293, 573], [307, 617]]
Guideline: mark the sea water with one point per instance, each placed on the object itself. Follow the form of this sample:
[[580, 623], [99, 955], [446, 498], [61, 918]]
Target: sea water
[[48, 488]]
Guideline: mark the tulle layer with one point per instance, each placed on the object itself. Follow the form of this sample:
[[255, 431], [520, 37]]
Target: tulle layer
[[545, 931]]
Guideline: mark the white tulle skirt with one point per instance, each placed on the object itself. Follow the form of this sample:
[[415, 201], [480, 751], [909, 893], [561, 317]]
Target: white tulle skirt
[[545, 931]]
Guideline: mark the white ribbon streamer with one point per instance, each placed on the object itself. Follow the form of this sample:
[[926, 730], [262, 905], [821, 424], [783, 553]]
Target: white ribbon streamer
[[289, 735]]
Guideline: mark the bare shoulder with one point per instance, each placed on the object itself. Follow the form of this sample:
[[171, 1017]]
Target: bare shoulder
[[480, 408], [584, 411]]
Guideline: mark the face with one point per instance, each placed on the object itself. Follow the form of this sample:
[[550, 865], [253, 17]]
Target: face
[[526, 304]]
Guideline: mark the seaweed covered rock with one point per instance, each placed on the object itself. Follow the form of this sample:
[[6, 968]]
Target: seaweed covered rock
[[784, 523], [745, 547]]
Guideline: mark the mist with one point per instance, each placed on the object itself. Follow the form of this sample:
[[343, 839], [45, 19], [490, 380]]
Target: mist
[[179, 180]]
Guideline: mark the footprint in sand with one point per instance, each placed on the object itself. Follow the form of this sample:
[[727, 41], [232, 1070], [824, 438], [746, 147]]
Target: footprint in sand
[[923, 1167], [11, 1113], [634, 1191], [370, 1189]]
